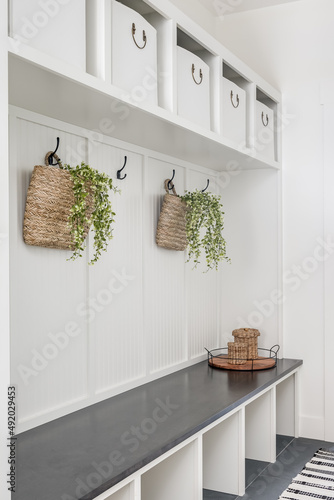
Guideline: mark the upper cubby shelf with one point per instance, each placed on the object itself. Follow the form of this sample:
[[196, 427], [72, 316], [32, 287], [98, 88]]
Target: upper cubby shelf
[[154, 78]]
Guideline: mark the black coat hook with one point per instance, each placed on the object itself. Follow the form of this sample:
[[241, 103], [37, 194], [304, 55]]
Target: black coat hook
[[170, 180], [207, 185], [50, 158], [119, 171]]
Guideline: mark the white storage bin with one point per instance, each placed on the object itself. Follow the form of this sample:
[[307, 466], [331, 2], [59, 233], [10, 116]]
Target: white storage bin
[[57, 27], [134, 54], [265, 130], [193, 88], [233, 112]]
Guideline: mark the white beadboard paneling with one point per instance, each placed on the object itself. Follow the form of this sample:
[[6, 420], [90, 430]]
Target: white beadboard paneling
[[140, 309], [164, 279], [116, 320], [201, 289], [45, 291], [250, 282]]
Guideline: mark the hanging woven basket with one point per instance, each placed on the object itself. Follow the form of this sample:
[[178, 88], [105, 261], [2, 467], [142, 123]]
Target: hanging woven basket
[[171, 230], [49, 201]]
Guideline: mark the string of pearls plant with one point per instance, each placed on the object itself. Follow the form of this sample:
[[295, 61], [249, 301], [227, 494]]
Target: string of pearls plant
[[204, 226]]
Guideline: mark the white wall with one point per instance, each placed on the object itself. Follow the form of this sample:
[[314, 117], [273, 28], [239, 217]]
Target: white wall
[[291, 46], [287, 44], [328, 100], [250, 283], [303, 230], [201, 15]]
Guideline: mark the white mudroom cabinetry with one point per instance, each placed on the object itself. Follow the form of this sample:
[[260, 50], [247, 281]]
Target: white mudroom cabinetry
[[166, 312]]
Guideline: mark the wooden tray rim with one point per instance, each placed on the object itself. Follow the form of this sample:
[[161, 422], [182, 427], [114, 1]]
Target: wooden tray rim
[[261, 363]]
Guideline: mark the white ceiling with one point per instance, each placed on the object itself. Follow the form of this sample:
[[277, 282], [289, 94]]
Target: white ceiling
[[225, 7]]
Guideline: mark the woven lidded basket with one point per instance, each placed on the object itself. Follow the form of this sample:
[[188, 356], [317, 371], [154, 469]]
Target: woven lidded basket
[[49, 201], [171, 230], [237, 353], [248, 336]]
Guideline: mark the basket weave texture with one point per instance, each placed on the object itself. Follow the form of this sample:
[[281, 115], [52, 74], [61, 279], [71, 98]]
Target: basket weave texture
[[49, 201], [171, 230], [248, 336], [237, 353]]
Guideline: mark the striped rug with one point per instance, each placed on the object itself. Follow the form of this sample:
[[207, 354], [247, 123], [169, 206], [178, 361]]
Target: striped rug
[[316, 480]]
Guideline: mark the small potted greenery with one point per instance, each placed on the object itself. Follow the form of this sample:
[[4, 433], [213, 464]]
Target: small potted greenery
[[92, 207], [204, 226]]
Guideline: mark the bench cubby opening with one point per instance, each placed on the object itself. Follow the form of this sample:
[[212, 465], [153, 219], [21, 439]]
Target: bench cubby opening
[[177, 477], [286, 401], [223, 445], [125, 493], [260, 429]]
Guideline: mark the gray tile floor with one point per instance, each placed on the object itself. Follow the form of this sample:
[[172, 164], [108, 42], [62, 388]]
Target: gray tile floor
[[265, 481]]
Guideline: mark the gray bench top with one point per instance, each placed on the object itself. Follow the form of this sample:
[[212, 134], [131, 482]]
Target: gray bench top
[[81, 455]]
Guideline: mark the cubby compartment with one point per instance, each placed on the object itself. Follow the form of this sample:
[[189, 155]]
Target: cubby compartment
[[235, 106], [197, 87], [265, 142], [125, 493], [286, 408], [223, 445], [260, 432], [178, 477], [56, 28], [134, 59], [137, 43]]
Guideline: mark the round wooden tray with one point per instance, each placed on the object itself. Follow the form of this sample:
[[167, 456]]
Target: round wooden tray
[[261, 363]]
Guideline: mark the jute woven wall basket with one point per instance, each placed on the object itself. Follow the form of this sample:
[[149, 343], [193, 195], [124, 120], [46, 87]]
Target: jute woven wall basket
[[49, 201], [171, 230]]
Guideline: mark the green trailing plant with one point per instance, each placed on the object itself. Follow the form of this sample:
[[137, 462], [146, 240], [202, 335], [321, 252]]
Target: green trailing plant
[[204, 226], [92, 207]]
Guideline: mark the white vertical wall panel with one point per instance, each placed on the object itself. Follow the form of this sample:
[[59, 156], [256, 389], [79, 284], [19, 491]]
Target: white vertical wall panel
[[329, 263], [201, 290], [116, 280], [249, 284], [46, 291], [164, 276]]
